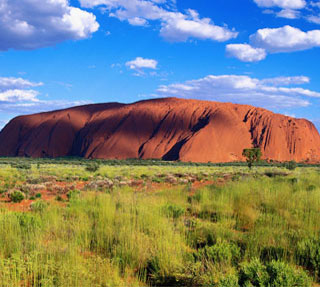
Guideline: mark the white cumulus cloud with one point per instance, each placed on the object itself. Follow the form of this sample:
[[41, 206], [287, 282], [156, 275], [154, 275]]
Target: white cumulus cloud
[[31, 24], [16, 83], [14, 90], [245, 52], [175, 26], [274, 40], [285, 39], [19, 96], [292, 9], [14, 96], [286, 4], [272, 93], [141, 63], [179, 27]]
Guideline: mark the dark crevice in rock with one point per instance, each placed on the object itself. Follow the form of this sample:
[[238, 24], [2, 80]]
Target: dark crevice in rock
[[174, 153]]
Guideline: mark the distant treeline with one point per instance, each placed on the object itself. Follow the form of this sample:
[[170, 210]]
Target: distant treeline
[[137, 162]]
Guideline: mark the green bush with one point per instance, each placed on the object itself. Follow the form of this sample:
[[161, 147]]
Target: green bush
[[157, 180], [275, 274], [16, 196], [253, 273], [283, 275], [92, 167]]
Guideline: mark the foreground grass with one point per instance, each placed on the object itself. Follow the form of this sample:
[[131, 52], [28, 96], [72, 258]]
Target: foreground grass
[[253, 230]]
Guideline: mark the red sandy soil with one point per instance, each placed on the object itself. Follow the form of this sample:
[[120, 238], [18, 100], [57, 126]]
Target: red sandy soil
[[169, 129], [50, 196], [25, 205]]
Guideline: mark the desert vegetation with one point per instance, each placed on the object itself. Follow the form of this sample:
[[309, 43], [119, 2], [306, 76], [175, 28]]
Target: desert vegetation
[[127, 224]]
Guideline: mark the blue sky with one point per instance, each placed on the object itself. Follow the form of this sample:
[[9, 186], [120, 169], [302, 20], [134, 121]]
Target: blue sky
[[56, 54]]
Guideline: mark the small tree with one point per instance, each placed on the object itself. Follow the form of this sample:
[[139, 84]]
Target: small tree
[[252, 155]]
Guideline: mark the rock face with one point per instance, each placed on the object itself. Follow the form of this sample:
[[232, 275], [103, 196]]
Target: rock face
[[169, 129]]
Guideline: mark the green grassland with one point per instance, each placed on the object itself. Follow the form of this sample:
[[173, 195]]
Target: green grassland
[[184, 225]]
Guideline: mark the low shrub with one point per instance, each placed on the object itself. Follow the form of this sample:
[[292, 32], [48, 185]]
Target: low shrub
[[92, 167], [220, 253], [157, 180], [16, 196], [274, 273], [283, 275], [253, 273]]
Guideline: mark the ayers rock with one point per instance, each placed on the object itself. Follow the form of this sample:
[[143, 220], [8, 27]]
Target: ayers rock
[[169, 129]]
